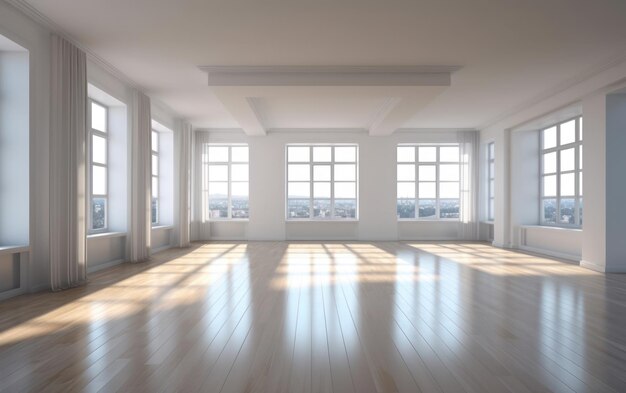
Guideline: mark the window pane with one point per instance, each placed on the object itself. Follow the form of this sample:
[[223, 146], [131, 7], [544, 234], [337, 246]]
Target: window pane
[[299, 172], [239, 172], [218, 172], [580, 156], [449, 208], [99, 180], [427, 173], [492, 189], [406, 208], [568, 132], [549, 211], [449, 190], [98, 149], [427, 190], [406, 154], [568, 160], [345, 208], [98, 117], [298, 154], [449, 172], [492, 170], [492, 150], [239, 153], [549, 138], [427, 154], [345, 190], [155, 165], [549, 186], [491, 209], [155, 141], [155, 187], [154, 211], [298, 208], [345, 172], [239, 190], [406, 172], [568, 185], [580, 127], [427, 208], [322, 153], [406, 190], [321, 173], [568, 211], [240, 208], [299, 190], [321, 190], [321, 208], [580, 183], [218, 208], [449, 154], [218, 154], [549, 162], [218, 190], [98, 213], [580, 211], [345, 154]]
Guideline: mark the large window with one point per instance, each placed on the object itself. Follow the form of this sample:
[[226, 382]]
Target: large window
[[99, 143], [428, 182], [561, 174], [225, 179], [491, 175], [155, 177], [322, 182]]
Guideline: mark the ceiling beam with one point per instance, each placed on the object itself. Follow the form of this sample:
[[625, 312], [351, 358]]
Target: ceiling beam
[[244, 111], [329, 75]]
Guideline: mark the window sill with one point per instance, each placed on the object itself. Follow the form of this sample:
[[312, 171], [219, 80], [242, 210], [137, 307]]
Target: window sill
[[488, 222], [551, 227], [449, 221], [335, 221], [230, 220], [162, 227], [105, 235], [14, 249]]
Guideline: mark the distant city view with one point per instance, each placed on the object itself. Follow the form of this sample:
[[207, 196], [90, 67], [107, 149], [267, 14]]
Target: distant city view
[[98, 213], [300, 208], [448, 209], [218, 208], [566, 215]]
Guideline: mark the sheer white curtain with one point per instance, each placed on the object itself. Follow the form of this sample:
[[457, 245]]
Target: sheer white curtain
[[68, 177], [468, 142], [184, 183], [141, 161]]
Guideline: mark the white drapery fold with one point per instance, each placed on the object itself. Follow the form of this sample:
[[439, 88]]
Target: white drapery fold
[[469, 145], [68, 139], [140, 198], [184, 183]]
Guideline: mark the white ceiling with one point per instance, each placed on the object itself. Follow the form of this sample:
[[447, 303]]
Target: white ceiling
[[511, 52]]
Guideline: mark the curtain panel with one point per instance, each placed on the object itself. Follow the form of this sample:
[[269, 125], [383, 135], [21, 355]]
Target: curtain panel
[[141, 197], [469, 147], [184, 183], [68, 148]]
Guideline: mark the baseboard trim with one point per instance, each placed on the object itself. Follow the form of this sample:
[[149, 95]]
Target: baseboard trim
[[105, 265], [593, 266], [550, 253], [159, 249]]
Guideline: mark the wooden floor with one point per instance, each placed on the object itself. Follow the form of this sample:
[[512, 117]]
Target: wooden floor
[[322, 317]]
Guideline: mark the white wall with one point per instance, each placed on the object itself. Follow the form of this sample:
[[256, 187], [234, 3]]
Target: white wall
[[511, 226], [377, 190]]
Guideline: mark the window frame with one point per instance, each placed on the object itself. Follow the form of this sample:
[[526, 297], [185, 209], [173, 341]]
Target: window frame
[[312, 164], [437, 163], [577, 145], [491, 180], [153, 154], [206, 181], [103, 134]]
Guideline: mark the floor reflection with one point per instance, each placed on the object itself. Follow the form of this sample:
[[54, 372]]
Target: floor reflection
[[323, 316]]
